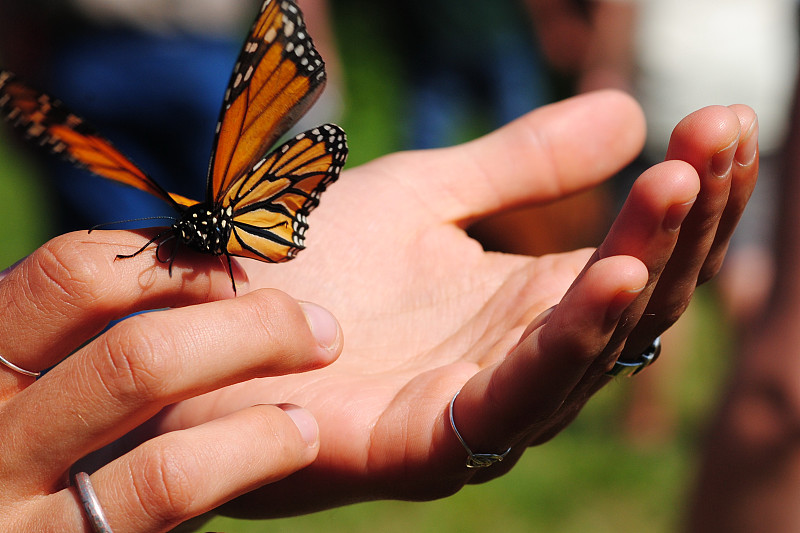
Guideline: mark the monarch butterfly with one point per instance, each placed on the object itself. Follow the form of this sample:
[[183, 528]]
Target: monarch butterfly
[[257, 203]]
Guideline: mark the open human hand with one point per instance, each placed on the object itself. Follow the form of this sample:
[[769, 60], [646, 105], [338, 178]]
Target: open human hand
[[426, 312]]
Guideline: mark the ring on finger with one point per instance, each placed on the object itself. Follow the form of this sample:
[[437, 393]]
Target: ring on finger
[[20, 370], [646, 358], [97, 518], [474, 460]]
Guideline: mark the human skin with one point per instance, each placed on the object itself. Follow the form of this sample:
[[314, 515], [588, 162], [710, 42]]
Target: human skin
[[427, 312], [424, 311]]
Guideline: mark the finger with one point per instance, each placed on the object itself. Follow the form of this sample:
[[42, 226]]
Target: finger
[[500, 405], [648, 227], [150, 361], [708, 140], [69, 289], [743, 180], [704, 139], [551, 152], [8, 269], [648, 224], [184, 474]]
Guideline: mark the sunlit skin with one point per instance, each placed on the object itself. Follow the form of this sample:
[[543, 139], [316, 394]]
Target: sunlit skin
[[424, 312]]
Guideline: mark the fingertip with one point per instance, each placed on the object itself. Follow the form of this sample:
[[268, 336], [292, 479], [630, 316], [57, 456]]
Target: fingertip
[[705, 132], [627, 106], [618, 274], [595, 302], [632, 277], [633, 272], [748, 119], [671, 182]]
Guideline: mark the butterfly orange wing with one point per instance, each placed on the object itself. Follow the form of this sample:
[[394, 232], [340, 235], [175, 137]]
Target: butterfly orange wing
[[270, 204], [47, 122], [277, 77]]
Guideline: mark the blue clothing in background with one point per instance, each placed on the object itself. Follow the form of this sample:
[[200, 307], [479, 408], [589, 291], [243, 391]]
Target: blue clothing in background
[[157, 98], [469, 59]]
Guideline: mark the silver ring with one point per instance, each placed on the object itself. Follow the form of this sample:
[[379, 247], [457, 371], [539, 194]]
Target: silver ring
[[90, 503], [475, 460], [15, 368], [624, 369]]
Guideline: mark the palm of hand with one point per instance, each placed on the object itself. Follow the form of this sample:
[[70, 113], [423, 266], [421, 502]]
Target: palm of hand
[[422, 307]]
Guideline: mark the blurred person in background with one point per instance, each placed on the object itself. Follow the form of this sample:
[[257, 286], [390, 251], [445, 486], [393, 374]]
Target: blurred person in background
[[474, 66], [749, 479]]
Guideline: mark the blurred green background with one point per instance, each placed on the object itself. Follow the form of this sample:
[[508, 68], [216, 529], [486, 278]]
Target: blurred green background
[[24, 205], [592, 477]]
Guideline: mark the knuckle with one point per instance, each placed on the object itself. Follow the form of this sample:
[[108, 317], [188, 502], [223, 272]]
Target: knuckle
[[278, 317], [64, 265], [163, 484], [133, 365]]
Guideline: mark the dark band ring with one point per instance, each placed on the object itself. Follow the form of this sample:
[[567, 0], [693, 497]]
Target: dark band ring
[[624, 369]]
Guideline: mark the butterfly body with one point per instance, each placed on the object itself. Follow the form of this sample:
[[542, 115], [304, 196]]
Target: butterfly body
[[205, 229], [257, 202]]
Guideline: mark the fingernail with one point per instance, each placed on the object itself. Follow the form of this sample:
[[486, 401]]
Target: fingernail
[[722, 161], [620, 303], [748, 148], [323, 325], [305, 422], [676, 214]]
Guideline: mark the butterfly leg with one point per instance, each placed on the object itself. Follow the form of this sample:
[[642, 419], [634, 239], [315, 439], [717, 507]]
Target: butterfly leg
[[172, 254], [148, 243], [230, 272]]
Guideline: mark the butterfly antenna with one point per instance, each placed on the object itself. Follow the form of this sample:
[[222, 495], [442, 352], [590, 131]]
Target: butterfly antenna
[[106, 224]]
